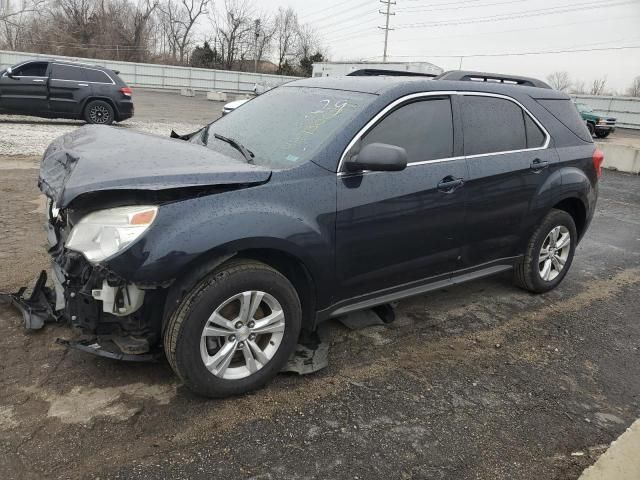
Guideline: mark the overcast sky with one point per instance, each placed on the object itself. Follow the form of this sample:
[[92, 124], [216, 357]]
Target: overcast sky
[[427, 30]]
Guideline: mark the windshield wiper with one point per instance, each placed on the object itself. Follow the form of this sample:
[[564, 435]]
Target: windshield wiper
[[246, 153]]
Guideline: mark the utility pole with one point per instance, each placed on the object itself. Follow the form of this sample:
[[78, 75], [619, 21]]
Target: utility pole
[[386, 28], [255, 45]]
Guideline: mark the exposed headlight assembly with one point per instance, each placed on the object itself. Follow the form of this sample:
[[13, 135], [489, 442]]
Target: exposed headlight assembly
[[104, 233]]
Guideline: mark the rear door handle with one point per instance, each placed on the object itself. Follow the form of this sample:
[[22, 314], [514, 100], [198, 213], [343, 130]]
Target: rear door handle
[[538, 165], [449, 184], [38, 81], [83, 84]]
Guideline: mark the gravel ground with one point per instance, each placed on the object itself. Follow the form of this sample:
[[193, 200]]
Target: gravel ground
[[156, 112], [478, 381]]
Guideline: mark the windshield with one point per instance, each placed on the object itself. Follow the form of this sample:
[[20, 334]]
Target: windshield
[[285, 127]]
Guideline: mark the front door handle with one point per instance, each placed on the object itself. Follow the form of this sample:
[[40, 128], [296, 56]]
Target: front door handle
[[538, 165], [38, 80], [83, 84], [449, 184]]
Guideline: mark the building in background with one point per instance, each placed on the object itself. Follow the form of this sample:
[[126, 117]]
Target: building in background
[[338, 69]]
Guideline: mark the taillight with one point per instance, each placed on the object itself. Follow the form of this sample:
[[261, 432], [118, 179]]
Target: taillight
[[126, 91], [598, 158]]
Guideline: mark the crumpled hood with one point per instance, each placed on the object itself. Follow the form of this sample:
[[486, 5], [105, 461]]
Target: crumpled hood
[[99, 158]]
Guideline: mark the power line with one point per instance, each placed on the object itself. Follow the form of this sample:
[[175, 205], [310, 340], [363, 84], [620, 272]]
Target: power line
[[339, 12], [510, 16], [431, 9], [388, 13], [517, 54]]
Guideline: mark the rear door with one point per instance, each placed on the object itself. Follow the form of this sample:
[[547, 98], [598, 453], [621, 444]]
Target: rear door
[[68, 88], [25, 92], [394, 228], [509, 162]]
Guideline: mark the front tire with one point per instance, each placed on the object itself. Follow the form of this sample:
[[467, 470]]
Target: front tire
[[235, 330], [603, 134], [549, 253], [591, 128], [99, 112]]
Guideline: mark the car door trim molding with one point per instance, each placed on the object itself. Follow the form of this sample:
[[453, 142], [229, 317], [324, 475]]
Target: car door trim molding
[[371, 123]]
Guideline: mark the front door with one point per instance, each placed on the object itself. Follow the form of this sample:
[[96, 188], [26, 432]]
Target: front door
[[394, 228], [25, 91], [508, 165]]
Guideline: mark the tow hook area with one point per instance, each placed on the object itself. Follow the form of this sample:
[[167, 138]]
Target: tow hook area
[[37, 306]]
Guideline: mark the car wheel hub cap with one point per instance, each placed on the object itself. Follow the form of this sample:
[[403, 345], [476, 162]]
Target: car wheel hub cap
[[242, 335], [554, 253]]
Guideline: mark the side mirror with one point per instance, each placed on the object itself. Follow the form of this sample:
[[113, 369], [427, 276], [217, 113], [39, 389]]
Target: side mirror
[[9, 72], [378, 157]]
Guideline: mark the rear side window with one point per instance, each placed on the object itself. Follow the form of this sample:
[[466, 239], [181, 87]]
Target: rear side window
[[492, 125], [67, 72], [567, 113], [424, 129], [96, 76], [32, 69], [535, 136]]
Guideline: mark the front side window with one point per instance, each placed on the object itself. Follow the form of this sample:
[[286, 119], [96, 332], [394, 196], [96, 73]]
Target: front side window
[[67, 72], [492, 125], [31, 69], [286, 126], [423, 128]]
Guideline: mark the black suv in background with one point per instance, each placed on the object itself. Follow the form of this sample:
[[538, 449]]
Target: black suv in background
[[318, 198], [56, 89]]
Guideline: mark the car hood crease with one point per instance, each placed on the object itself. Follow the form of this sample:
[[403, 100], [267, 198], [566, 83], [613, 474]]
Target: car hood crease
[[100, 158]]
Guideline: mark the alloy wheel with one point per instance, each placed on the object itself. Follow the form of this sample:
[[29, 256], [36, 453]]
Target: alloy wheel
[[99, 114], [242, 335], [554, 253]]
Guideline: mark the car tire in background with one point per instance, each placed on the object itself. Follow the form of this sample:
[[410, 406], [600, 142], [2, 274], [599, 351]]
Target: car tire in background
[[602, 134], [235, 330], [591, 128], [99, 112], [549, 253]]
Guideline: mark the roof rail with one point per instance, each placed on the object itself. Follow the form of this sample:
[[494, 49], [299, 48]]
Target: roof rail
[[469, 76], [372, 72]]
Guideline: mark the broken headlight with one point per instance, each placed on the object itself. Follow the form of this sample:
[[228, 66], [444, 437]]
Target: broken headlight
[[104, 233]]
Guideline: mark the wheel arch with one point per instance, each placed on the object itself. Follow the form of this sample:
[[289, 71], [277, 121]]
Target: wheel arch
[[575, 207], [285, 262]]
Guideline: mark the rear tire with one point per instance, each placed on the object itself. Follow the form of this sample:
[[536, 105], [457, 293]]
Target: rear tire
[[229, 355], [99, 112], [548, 255]]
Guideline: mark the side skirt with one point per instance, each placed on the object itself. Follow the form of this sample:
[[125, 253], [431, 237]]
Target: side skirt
[[415, 288]]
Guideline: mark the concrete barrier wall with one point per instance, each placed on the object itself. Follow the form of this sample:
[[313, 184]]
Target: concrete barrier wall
[[625, 109], [624, 158], [165, 77]]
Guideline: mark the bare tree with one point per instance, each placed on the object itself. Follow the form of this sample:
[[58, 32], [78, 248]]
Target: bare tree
[[286, 35], [234, 31], [559, 81], [14, 21], [265, 30], [179, 17], [634, 89], [578, 87], [597, 87]]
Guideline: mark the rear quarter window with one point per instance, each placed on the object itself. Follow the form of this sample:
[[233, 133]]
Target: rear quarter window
[[567, 114], [97, 76]]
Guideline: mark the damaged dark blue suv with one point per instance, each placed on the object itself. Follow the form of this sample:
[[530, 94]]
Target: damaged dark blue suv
[[318, 198]]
